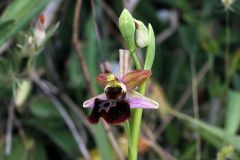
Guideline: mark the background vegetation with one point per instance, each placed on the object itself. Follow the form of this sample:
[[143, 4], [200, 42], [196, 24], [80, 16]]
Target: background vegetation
[[196, 79]]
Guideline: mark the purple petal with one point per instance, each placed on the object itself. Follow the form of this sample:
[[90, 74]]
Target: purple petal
[[123, 63], [136, 100], [90, 103]]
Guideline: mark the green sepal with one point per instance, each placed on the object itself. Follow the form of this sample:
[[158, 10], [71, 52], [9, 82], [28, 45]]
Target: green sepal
[[150, 49]]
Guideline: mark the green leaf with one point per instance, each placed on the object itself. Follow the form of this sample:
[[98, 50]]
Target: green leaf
[[233, 112], [5, 25], [57, 134], [214, 135], [150, 49], [21, 12], [43, 108]]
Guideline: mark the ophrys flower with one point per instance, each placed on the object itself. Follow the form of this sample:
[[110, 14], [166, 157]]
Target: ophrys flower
[[119, 96]]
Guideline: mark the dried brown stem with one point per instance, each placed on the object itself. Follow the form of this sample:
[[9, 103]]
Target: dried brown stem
[[69, 122], [109, 11], [171, 29], [154, 146], [76, 43], [86, 75]]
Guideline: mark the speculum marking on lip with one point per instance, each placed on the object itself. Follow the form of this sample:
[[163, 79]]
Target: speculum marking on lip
[[114, 115]]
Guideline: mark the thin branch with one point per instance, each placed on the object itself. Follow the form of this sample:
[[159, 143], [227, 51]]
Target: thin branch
[[76, 43], [21, 132], [130, 4], [77, 46], [49, 93], [112, 139], [8, 146], [159, 150], [171, 29], [109, 11], [95, 23], [155, 147], [75, 109]]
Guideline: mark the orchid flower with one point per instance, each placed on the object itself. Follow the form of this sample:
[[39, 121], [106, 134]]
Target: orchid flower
[[119, 94]]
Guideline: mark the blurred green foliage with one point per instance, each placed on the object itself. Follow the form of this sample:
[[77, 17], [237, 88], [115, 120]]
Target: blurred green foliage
[[199, 35]]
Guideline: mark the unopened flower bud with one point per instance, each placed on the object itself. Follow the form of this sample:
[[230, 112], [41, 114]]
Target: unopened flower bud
[[227, 4], [142, 36], [127, 28], [22, 92], [39, 32]]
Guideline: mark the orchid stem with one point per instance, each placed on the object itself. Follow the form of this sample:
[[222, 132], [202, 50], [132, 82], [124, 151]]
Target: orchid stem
[[136, 117], [135, 59], [135, 127]]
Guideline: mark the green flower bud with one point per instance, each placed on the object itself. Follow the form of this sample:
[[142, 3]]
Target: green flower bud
[[127, 29], [142, 37], [22, 92]]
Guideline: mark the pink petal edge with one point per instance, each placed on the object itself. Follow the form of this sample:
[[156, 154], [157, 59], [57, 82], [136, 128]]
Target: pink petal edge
[[90, 102], [136, 100]]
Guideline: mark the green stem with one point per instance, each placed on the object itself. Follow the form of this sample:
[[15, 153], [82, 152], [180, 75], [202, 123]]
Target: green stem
[[135, 127], [136, 117], [135, 59]]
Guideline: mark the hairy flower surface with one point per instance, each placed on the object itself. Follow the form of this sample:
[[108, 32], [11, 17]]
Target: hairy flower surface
[[119, 97]]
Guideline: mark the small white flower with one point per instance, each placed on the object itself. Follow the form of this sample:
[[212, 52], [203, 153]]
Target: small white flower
[[39, 31], [39, 36], [227, 3]]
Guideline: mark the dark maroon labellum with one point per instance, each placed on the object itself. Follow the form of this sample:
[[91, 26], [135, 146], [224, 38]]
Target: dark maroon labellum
[[112, 111]]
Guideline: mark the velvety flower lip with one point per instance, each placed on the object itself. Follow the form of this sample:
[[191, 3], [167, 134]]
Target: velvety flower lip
[[119, 95]]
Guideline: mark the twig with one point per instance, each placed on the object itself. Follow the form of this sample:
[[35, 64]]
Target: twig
[[21, 132], [95, 23], [113, 141], [155, 147], [48, 92], [171, 29], [109, 11], [75, 109], [186, 95], [86, 75], [107, 128], [130, 4], [159, 150], [8, 146], [77, 46]]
